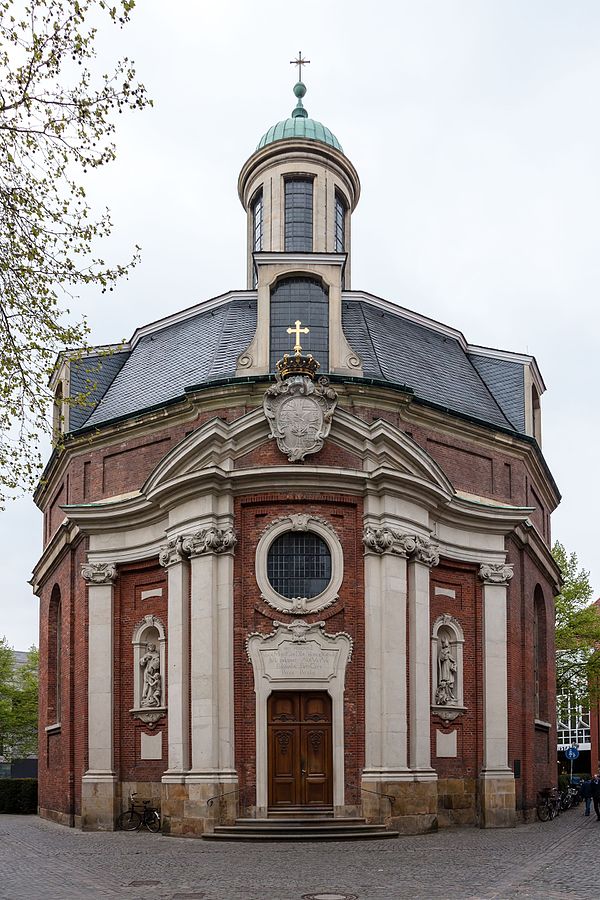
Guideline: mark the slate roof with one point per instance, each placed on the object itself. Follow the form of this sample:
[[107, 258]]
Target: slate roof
[[189, 352], [204, 346]]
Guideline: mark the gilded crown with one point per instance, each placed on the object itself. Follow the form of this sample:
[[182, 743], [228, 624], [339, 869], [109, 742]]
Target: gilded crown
[[297, 364]]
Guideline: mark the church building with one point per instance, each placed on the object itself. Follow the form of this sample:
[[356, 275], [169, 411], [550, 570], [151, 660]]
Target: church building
[[296, 549]]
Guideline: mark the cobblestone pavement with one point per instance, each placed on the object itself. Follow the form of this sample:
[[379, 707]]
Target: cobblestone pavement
[[552, 860]]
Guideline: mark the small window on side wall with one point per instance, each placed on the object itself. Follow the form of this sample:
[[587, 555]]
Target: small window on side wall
[[340, 223], [257, 221]]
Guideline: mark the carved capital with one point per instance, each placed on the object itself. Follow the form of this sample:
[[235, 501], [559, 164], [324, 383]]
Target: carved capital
[[426, 551], [385, 540], [389, 540], [210, 540], [99, 573], [172, 553], [495, 573]]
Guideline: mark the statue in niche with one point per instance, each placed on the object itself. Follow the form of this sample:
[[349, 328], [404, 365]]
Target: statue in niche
[[446, 674], [152, 686]]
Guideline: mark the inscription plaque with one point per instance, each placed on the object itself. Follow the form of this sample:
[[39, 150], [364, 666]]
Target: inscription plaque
[[303, 661]]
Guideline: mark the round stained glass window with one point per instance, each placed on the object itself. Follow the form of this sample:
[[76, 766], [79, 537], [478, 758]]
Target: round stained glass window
[[299, 564]]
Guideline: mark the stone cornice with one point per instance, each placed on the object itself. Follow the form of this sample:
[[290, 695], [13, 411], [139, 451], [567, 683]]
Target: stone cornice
[[249, 394], [527, 536], [495, 573], [66, 535], [99, 573]]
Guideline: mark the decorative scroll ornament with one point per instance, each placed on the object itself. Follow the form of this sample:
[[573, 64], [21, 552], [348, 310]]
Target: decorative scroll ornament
[[298, 631], [209, 540], [496, 573], [299, 411], [171, 553], [389, 540], [99, 573]]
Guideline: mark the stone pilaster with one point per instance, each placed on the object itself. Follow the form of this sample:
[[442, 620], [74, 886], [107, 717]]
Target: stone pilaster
[[173, 559], [497, 786], [423, 555], [99, 793], [386, 723], [212, 713], [396, 588]]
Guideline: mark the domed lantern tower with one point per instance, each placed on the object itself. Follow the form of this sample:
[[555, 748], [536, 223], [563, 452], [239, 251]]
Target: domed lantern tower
[[299, 191]]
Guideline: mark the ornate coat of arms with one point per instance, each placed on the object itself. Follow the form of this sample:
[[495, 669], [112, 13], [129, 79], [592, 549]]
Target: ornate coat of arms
[[298, 408]]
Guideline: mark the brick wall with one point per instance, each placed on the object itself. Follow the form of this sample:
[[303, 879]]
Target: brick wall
[[130, 609], [466, 608], [252, 515]]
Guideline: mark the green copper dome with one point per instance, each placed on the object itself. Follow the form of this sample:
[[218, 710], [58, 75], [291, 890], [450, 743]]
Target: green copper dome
[[299, 126]]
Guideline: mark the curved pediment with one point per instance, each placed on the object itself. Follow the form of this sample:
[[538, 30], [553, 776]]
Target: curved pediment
[[220, 450]]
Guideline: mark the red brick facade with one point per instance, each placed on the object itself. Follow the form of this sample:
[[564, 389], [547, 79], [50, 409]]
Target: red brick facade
[[122, 465]]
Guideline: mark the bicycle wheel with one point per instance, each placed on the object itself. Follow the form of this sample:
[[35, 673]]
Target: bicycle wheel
[[152, 821], [543, 811], [130, 820], [554, 808]]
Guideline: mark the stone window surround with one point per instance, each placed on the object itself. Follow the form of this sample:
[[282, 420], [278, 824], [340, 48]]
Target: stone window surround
[[299, 522]]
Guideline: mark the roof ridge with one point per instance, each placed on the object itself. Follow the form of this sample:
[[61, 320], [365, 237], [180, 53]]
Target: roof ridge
[[487, 388]]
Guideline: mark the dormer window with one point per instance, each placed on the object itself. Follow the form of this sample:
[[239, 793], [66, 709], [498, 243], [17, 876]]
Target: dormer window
[[305, 299], [536, 415], [57, 413], [298, 215], [340, 223]]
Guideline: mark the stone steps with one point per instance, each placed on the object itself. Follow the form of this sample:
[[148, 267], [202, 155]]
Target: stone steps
[[308, 828]]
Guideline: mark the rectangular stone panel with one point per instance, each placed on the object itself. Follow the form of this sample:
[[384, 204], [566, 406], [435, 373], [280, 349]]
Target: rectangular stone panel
[[445, 744]]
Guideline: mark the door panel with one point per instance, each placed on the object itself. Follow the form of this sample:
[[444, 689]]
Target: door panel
[[300, 749]]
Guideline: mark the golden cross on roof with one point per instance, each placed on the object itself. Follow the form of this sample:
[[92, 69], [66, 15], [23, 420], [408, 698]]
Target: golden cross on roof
[[299, 62], [298, 331]]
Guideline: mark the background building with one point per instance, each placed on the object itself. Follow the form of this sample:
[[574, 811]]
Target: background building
[[327, 594]]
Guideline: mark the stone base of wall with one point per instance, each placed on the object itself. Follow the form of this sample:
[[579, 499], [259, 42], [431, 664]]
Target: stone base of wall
[[99, 803], [457, 802], [497, 801], [410, 807], [55, 815], [186, 811]]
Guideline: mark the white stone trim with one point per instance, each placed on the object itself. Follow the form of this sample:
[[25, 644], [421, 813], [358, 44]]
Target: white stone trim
[[330, 654], [302, 605], [495, 680], [100, 670], [178, 677]]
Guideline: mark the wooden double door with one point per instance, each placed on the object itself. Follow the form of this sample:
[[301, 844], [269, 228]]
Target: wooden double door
[[300, 749]]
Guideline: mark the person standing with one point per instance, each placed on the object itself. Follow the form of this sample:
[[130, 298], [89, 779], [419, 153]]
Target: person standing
[[596, 795], [586, 793]]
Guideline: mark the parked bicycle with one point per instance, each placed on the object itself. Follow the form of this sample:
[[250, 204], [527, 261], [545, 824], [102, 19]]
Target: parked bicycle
[[569, 798], [133, 819], [549, 804]]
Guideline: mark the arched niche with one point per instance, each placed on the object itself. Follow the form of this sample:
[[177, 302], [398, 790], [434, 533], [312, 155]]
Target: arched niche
[[149, 670], [447, 669]]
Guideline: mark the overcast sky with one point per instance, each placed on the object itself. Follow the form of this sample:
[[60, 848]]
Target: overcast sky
[[474, 128]]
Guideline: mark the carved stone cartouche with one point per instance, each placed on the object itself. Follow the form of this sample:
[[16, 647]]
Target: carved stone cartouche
[[299, 411]]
